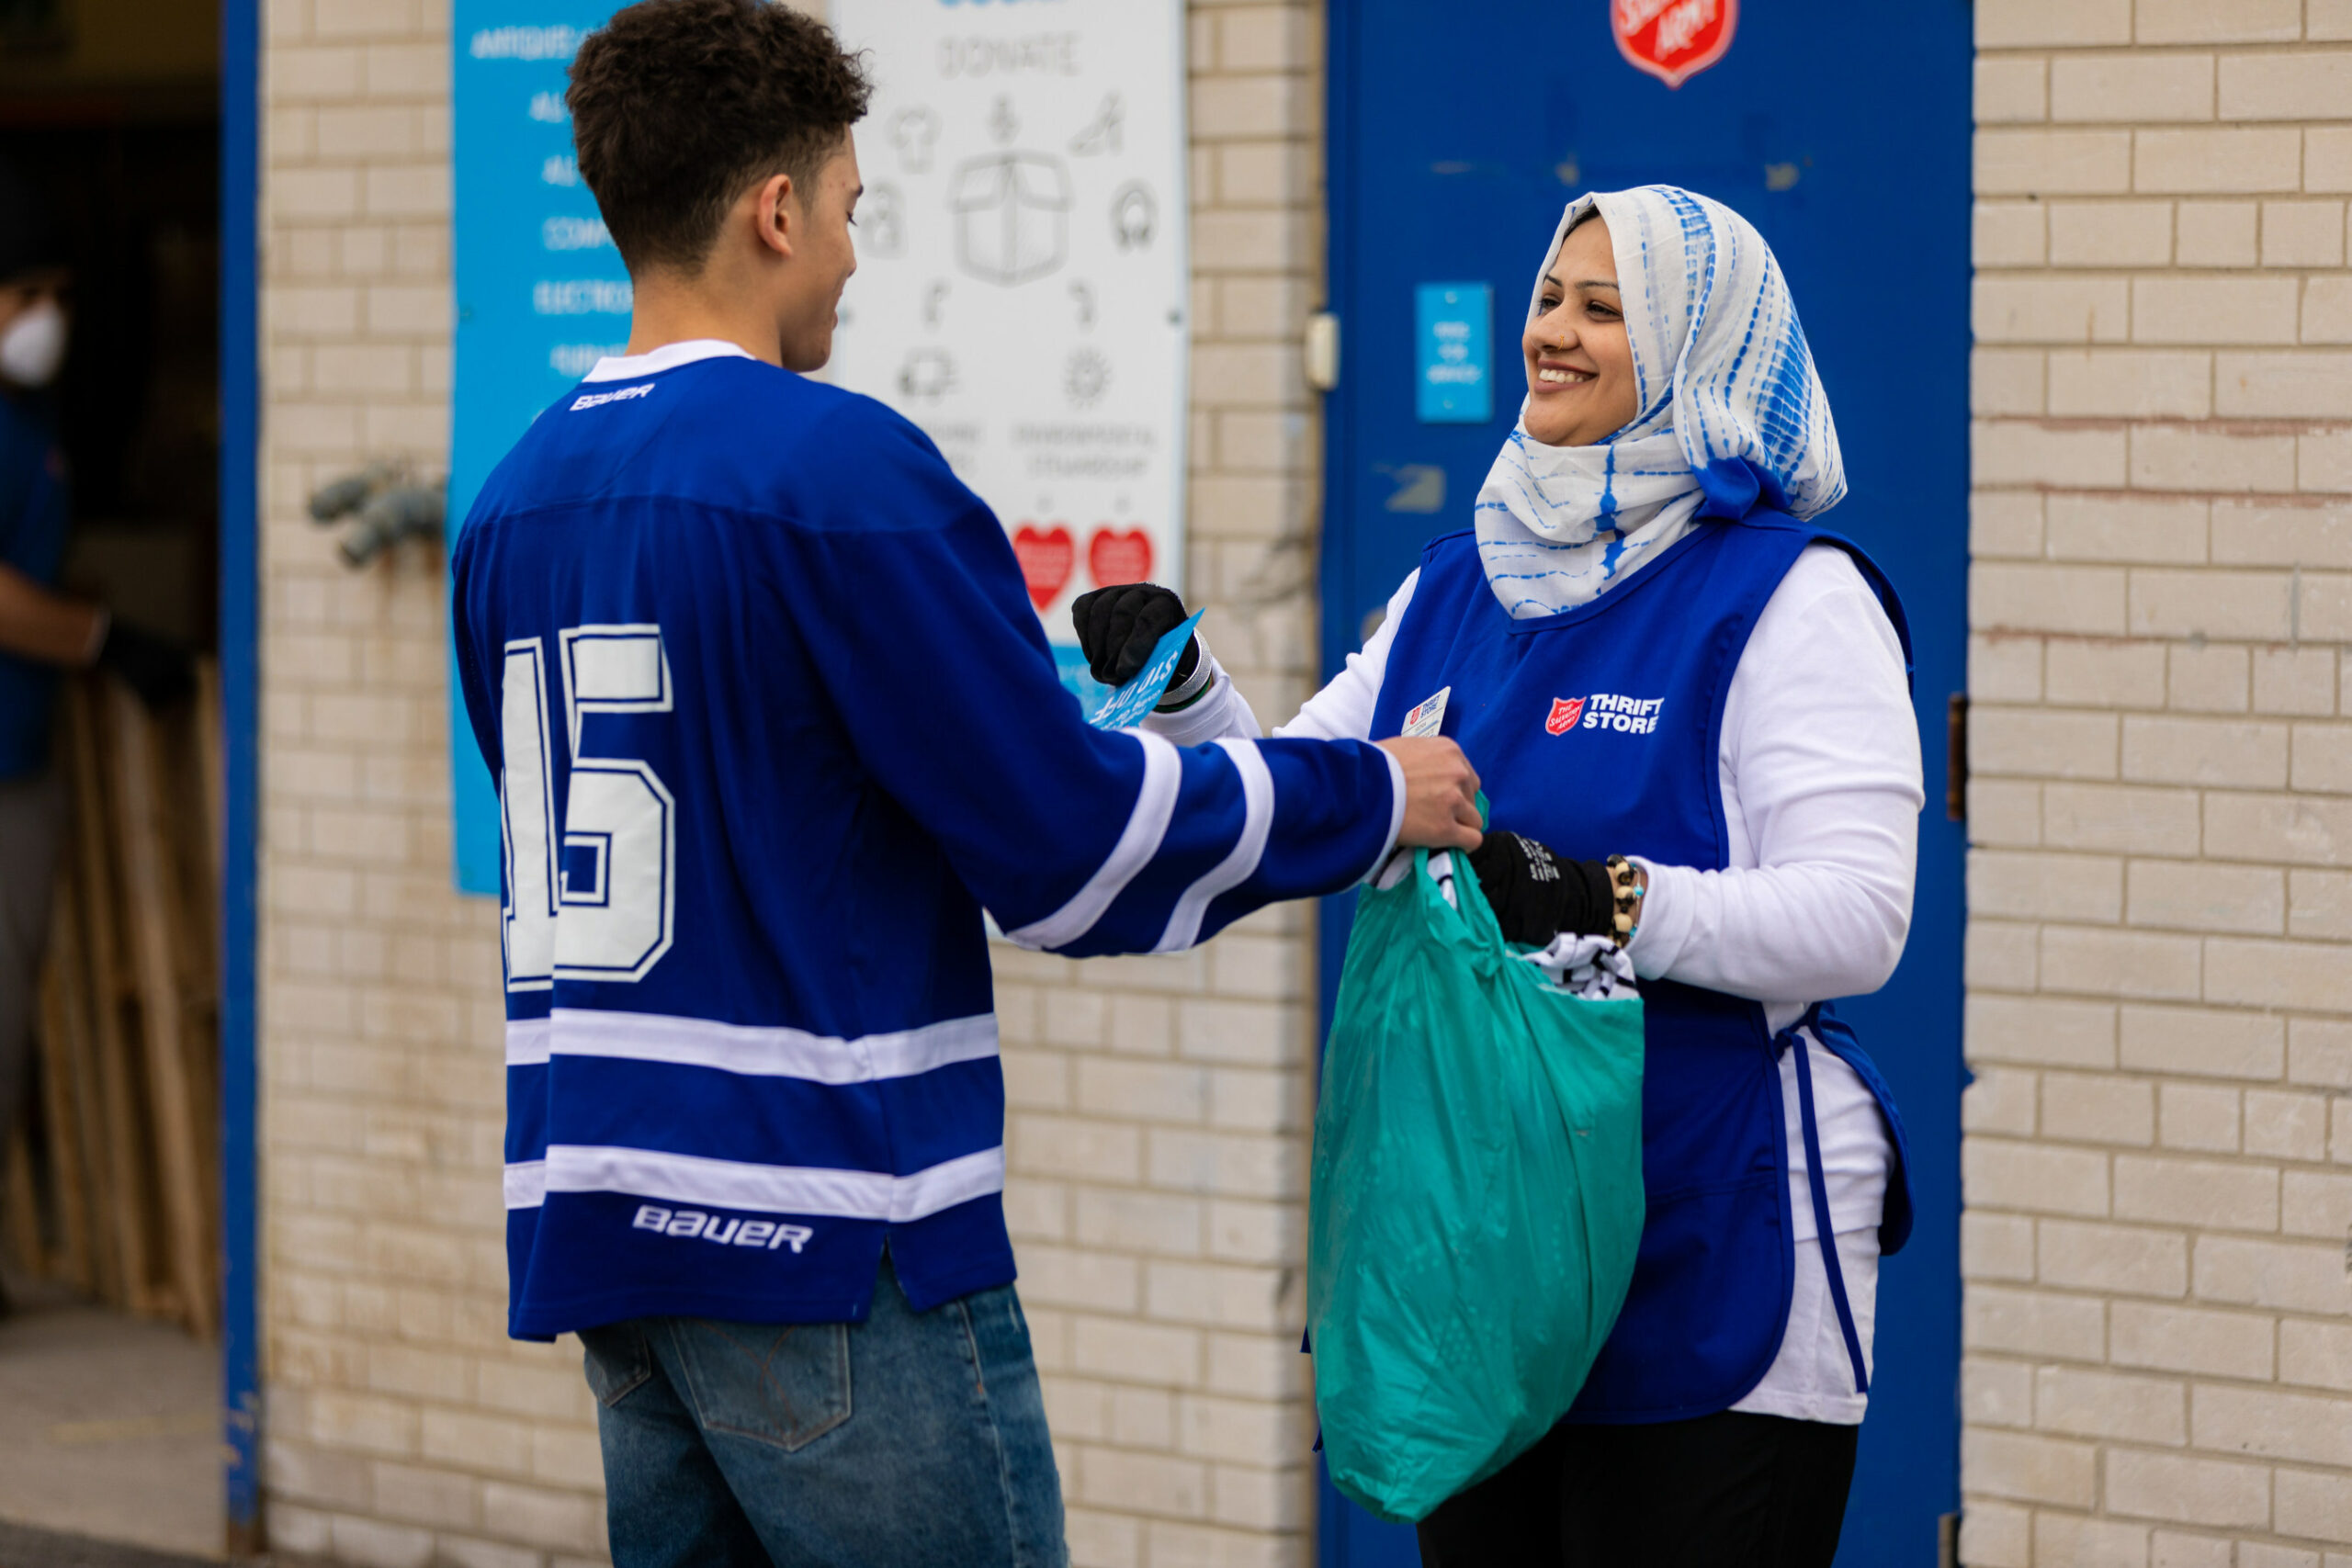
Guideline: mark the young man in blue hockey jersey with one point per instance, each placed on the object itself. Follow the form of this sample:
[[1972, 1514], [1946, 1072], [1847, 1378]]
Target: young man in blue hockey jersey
[[773, 721]]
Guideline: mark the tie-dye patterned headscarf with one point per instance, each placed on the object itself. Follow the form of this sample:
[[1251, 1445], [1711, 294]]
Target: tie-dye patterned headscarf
[[1732, 416]]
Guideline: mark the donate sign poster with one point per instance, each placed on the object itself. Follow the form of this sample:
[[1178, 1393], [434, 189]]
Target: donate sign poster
[[1024, 273], [542, 294]]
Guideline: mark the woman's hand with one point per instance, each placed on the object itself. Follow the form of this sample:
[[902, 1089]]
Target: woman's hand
[[1536, 896], [1118, 627]]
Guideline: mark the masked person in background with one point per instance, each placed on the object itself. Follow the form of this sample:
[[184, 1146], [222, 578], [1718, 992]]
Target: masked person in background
[[41, 631], [1693, 708]]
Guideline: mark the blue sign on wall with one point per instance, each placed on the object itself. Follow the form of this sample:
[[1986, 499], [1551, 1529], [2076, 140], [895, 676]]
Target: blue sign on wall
[[542, 294], [1454, 344]]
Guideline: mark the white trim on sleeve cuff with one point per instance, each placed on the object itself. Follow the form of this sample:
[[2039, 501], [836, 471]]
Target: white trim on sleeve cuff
[[1396, 816]]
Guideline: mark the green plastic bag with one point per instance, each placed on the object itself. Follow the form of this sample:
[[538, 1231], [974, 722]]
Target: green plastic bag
[[1476, 1200]]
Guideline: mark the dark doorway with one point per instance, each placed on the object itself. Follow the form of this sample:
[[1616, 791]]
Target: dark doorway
[[110, 1366]]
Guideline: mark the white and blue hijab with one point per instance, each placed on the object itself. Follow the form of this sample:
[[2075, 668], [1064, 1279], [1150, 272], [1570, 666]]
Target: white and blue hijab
[[1733, 416]]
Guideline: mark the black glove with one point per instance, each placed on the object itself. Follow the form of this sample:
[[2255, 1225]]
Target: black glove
[[1118, 627], [161, 672], [1535, 895]]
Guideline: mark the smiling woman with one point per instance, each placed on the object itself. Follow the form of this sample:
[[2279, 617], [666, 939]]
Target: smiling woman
[[1690, 711], [1580, 383]]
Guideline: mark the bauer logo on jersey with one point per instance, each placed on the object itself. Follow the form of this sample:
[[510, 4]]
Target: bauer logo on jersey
[[598, 400], [1604, 710], [694, 1225]]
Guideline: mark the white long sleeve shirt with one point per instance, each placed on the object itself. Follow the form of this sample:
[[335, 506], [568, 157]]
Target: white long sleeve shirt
[[1820, 775]]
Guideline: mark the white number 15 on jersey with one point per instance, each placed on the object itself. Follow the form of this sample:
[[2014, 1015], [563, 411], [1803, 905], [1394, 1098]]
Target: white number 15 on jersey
[[590, 892]]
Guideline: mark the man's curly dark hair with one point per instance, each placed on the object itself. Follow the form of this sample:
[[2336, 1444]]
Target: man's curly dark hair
[[679, 106]]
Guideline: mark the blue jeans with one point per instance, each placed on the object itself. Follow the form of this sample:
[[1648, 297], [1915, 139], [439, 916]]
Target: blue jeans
[[913, 1439]]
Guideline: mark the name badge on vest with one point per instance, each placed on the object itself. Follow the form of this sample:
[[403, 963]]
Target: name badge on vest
[[1425, 716]]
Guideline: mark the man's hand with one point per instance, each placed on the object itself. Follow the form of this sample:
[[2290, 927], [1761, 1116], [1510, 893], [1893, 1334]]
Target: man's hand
[[1441, 794]]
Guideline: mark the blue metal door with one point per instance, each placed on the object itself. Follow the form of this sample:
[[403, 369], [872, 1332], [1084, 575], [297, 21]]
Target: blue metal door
[[1457, 133]]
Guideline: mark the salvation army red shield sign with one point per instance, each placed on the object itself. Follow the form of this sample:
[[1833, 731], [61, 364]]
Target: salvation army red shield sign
[[1565, 713], [1673, 40]]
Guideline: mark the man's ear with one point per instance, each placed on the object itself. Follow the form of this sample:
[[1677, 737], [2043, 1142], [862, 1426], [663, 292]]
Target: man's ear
[[775, 214]]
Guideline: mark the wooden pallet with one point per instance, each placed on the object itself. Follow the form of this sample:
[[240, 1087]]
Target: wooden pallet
[[112, 1184]]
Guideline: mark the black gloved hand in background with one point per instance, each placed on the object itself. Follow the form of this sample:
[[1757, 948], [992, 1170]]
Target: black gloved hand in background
[[161, 672], [1118, 627], [1535, 895]]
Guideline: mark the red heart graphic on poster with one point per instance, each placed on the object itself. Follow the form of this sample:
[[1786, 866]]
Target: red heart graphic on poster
[[1046, 556], [1116, 557]]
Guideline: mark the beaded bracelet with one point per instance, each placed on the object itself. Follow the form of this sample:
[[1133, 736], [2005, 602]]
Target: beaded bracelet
[[1626, 889]]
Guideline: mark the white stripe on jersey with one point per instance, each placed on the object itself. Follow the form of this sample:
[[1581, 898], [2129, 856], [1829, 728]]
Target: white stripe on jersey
[[752, 1050], [1237, 867], [764, 1189], [526, 1184], [1163, 776]]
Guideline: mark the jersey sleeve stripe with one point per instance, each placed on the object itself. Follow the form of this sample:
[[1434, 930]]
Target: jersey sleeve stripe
[[527, 1041], [1163, 773], [752, 1051], [764, 1189], [526, 1184], [1241, 862]]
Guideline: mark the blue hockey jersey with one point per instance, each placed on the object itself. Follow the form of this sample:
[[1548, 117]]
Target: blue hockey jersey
[[772, 721]]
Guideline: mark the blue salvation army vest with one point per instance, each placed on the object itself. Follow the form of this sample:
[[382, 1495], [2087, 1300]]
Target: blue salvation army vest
[[1597, 731]]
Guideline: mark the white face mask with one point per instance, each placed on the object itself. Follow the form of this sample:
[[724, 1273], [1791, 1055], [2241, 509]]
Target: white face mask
[[33, 346]]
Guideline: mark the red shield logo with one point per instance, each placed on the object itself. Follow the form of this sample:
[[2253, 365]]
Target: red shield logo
[[1673, 40], [1565, 711]]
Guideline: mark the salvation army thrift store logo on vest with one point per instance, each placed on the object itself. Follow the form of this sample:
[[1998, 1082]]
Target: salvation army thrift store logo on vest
[[1673, 40], [1604, 710]]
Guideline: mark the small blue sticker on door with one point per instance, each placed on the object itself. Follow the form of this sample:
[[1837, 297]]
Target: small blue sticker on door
[[1454, 352]]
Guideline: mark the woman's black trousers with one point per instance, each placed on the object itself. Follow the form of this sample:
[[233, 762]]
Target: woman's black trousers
[[1726, 1491]]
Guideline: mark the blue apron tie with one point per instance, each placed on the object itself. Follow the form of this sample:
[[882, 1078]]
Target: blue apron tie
[[1821, 1212]]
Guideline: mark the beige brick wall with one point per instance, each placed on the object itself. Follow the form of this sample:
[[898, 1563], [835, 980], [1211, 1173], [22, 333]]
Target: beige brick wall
[[2158, 1156], [1159, 1106]]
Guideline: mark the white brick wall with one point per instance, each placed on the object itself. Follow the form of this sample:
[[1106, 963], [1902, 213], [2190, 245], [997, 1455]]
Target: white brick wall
[[1158, 1107], [2158, 1154]]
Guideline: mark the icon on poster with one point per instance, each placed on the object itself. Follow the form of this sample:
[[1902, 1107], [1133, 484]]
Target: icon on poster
[[1086, 378], [1113, 557], [928, 375], [1046, 556], [882, 221], [913, 132], [1135, 213], [1105, 134], [1011, 216]]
